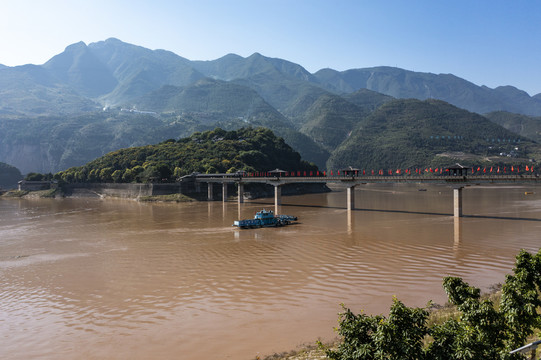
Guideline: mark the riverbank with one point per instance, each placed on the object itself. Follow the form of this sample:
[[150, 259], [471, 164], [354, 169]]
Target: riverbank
[[166, 192]]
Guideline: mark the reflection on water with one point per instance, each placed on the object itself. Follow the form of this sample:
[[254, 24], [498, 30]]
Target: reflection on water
[[120, 279], [457, 233]]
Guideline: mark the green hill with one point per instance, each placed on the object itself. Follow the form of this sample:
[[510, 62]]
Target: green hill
[[330, 119], [527, 126], [413, 133], [216, 151]]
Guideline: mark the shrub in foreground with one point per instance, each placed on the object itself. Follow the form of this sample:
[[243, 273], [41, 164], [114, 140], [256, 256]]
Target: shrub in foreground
[[482, 329]]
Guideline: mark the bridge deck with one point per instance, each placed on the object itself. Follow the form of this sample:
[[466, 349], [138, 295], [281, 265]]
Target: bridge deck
[[493, 179]]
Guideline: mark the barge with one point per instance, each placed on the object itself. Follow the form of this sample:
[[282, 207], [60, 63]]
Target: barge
[[265, 218]]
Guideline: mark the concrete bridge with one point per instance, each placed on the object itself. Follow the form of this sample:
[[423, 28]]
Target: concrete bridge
[[455, 182]]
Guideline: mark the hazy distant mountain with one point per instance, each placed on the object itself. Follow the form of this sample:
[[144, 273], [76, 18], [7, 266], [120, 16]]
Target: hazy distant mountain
[[401, 83], [229, 105], [30, 90], [139, 70], [231, 67], [80, 69], [212, 99], [112, 72], [51, 115], [54, 143]]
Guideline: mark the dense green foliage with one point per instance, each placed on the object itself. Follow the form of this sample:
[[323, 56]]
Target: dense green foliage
[[413, 133], [217, 151], [527, 126], [483, 330], [9, 175]]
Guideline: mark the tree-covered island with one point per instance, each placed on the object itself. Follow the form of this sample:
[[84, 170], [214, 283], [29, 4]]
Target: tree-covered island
[[217, 151]]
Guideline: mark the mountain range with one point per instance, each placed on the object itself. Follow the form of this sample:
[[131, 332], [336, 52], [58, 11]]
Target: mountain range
[[96, 98]]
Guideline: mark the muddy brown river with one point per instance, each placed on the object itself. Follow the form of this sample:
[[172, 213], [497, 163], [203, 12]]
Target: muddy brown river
[[118, 279]]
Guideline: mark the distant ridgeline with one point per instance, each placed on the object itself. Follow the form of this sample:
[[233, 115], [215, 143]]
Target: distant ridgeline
[[217, 151]]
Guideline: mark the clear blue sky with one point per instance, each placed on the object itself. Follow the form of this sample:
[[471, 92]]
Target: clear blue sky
[[488, 42]]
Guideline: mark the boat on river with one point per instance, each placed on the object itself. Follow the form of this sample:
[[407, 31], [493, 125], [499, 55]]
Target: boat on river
[[265, 218]]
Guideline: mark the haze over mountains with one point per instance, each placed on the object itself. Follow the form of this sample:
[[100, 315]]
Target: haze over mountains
[[68, 111]]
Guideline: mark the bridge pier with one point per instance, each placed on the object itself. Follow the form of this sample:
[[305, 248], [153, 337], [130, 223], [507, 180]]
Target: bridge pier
[[224, 192], [241, 193], [350, 197], [457, 201], [277, 197], [210, 191]]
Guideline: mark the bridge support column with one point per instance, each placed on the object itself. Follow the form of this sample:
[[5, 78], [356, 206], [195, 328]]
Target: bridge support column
[[224, 192], [241, 193], [277, 197], [197, 187], [210, 191], [351, 197], [457, 201]]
